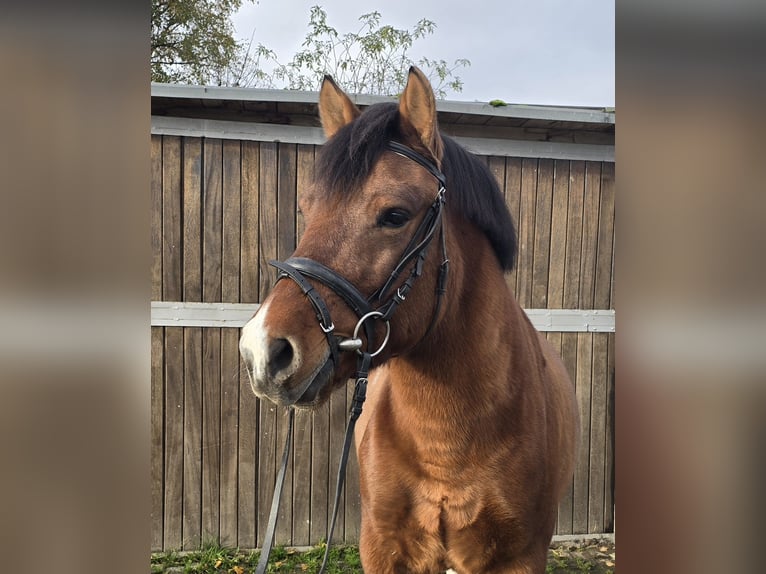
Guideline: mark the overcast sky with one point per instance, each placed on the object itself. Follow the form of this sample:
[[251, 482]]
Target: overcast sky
[[558, 52]]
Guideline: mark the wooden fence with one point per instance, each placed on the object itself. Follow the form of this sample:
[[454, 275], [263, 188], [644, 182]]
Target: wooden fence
[[221, 209]]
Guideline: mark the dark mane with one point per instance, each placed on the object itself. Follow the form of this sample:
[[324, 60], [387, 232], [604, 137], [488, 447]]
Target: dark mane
[[345, 161]]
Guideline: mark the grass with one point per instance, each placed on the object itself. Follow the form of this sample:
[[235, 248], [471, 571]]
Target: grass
[[584, 558]]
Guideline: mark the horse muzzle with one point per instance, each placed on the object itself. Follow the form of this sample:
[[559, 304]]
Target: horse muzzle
[[279, 369]]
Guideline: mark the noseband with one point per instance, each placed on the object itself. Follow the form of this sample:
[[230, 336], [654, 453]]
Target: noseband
[[367, 309]]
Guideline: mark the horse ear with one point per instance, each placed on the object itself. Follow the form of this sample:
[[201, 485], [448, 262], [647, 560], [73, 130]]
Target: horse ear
[[417, 112], [335, 108]]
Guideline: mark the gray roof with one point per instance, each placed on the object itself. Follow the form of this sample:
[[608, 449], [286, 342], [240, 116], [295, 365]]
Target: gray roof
[[463, 119]]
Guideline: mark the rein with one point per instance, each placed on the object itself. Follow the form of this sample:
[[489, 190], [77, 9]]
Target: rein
[[300, 268]]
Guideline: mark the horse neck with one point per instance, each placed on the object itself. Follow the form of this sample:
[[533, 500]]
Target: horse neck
[[464, 367]]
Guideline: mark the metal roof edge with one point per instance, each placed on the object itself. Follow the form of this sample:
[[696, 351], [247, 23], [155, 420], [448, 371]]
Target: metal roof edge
[[538, 112]]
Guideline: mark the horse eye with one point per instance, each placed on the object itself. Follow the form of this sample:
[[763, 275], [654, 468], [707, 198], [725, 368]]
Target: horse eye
[[393, 218]]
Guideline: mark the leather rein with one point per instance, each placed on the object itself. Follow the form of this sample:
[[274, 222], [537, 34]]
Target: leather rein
[[368, 309]]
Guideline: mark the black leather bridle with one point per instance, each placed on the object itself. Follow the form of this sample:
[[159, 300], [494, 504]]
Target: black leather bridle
[[368, 309]]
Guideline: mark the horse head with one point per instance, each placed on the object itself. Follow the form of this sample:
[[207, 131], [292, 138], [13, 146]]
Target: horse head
[[371, 244]]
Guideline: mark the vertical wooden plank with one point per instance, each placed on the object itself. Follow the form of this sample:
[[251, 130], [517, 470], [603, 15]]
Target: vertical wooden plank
[[173, 351], [267, 462], [267, 438], [156, 218], [286, 196], [247, 466], [338, 410], [590, 233], [599, 512], [574, 235], [174, 439], [212, 219], [353, 508], [192, 441], [557, 261], [248, 406], [172, 236], [605, 248], [157, 357], [192, 206], [157, 436], [283, 534], [597, 458], [513, 201], [267, 223], [581, 475], [529, 169], [305, 175], [230, 262], [557, 265], [542, 234], [320, 473], [609, 458], [301, 535], [250, 230], [192, 341]]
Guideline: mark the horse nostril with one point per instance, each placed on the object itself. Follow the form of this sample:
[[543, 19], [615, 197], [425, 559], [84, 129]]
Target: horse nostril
[[280, 355]]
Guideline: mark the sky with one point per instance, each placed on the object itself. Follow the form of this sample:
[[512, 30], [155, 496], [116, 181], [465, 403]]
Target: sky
[[548, 52]]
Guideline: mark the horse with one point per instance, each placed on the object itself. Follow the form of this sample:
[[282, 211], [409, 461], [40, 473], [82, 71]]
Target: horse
[[466, 441]]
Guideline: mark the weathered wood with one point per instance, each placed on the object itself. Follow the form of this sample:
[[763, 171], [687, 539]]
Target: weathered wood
[[597, 458], [229, 435], [301, 519], [250, 230], [558, 247], [171, 218], [526, 224], [156, 218], [583, 390], [320, 472], [590, 234], [555, 300], [286, 210], [305, 175], [157, 468], [338, 410], [211, 433], [542, 235], [174, 438], [247, 464], [574, 236], [212, 245], [284, 530], [192, 436], [353, 509], [192, 206], [566, 506], [230, 267], [267, 463], [605, 253], [610, 430], [268, 208], [212, 196], [513, 201]]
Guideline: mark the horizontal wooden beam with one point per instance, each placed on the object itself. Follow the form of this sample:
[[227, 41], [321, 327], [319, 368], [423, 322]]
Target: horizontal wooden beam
[[223, 129], [180, 314]]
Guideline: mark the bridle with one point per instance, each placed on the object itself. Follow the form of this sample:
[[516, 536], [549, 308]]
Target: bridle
[[368, 309]]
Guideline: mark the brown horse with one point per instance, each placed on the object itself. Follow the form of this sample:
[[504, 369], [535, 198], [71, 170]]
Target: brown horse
[[467, 438]]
